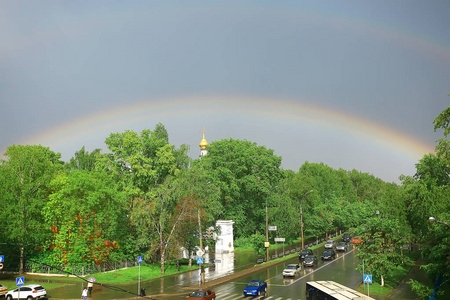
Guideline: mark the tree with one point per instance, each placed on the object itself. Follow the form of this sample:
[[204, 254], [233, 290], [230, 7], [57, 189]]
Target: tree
[[244, 173], [380, 249], [25, 176], [83, 160], [87, 216], [159, 218]]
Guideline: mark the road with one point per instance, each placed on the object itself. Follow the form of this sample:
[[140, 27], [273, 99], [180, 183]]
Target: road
[[341, 270]]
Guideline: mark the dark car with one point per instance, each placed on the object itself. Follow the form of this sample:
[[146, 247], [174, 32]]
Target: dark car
[[310, 261], [255, 287], [304, 253], [346, 238], [202, 295], [342, 246], [328, 255]]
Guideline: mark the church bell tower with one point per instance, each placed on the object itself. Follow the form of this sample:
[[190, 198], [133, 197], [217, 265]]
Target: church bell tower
[[203, 144]]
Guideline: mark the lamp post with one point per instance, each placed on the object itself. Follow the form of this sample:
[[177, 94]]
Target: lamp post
[[267, 226], [432, 219], [301, 217]]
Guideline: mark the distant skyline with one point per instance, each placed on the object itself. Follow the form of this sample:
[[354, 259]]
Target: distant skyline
[[352, 84]]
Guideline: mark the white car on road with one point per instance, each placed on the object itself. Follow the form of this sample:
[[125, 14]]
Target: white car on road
[[29, 292], [291, 270]]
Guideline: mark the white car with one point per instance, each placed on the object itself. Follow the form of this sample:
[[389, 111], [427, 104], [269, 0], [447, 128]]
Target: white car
[[291, 270], [330, 244], [29, 292]]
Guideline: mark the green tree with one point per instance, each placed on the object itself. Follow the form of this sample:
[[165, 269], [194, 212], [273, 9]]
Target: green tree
[[244, 173], [87, 215], [83, 160], [381, 246], [25, 176]]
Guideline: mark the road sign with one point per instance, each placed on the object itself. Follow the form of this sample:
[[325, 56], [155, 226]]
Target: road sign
[[2, 258], [20, 281], [272, 228], [1, 266], [367, 278], [139, 259], [280, 240], [199, 260], [200, 252]]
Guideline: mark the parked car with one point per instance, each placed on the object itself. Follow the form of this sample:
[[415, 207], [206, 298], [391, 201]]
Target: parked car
[[310, 261], [202, 295], [3, 290], [356, 240], [29, 292], [342, 246], [346, 238], [291, 270], [304, 253], [255, 287], [330, 244], [328, 255]]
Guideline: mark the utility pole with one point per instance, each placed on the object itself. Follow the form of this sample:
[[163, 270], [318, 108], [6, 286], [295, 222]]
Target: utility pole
[[267, 226]]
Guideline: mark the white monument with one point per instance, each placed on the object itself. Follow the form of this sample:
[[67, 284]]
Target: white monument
[[224, 241]]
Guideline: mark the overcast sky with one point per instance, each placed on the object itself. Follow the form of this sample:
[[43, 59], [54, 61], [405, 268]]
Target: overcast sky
[[352, 84]]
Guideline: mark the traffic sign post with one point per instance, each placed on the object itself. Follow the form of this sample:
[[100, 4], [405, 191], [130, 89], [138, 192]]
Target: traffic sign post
[[139, 279], [19, 282], [367, 279]]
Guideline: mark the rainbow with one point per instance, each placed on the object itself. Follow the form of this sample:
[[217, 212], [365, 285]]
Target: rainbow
[[267, 110]]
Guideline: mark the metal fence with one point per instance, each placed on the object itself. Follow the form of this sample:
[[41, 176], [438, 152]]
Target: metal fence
[[77, 269]]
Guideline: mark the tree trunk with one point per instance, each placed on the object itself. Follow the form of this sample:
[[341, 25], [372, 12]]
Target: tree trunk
[[382, 280], [162, 258], [21, 261]]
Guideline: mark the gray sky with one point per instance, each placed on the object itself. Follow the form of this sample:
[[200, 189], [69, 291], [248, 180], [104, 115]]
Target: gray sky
[[352, 84]]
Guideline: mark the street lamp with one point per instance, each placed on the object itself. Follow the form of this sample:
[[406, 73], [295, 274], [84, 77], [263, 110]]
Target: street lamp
[[267, 226], [432, 219], [301, 217]]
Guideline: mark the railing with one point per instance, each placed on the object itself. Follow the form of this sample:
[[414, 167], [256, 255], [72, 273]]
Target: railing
[[77, 269]]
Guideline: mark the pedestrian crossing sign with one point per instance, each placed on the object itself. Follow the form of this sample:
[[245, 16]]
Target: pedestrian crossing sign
[[199, 260], [20, 281], [2, 258], [367, 278], [139, 259]]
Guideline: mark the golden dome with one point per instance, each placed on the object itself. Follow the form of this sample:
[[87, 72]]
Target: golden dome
[[203, 144]]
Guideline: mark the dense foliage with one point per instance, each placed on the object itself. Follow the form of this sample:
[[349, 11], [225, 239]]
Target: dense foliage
[[145, 197]]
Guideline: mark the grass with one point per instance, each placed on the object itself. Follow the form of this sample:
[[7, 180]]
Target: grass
[[123, 276], [148, 272]]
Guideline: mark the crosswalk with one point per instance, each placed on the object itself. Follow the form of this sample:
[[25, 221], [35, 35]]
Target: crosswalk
[[241, 296]]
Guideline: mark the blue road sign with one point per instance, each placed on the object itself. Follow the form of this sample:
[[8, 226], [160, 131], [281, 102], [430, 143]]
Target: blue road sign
[[20, 281], [367, 278], [199, 260], [139, 259], [2, 258]]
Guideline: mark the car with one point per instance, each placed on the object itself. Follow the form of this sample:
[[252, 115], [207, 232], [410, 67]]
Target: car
[[328, 255], [346, 238], [330, 244], [202, 295], [310, 261], [255, 288], [304, 253], [29, 292], [356, 240], [3, 290], [291, 270], [342, 246]]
